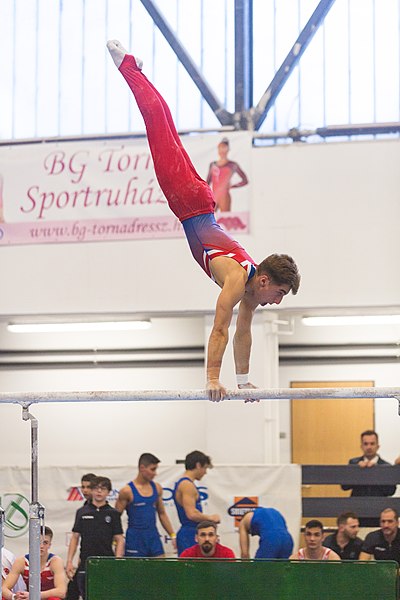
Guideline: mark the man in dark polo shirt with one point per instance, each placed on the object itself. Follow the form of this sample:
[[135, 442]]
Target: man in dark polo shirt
[[345, 542], [383, 544], [97, 526]]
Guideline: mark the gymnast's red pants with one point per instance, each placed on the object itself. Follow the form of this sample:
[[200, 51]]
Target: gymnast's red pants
[[188, 195]]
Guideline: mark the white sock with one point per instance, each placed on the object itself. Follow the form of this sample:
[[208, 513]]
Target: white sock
[[117, 51]]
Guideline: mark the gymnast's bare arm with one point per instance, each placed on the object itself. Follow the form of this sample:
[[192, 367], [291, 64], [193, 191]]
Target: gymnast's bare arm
[[242, 339], [125, 497], [242, 342], [232, 278]]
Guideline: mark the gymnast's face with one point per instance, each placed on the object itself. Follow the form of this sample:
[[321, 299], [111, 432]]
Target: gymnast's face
[[200, 471], [45, 543], [313, 538], [148, 472], [270, 293]]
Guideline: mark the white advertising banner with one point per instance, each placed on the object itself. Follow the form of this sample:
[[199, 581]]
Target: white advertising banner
[[83, 191], [229, 491]]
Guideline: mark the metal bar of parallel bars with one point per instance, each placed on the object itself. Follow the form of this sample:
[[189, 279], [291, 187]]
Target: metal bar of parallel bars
[[28, 398]]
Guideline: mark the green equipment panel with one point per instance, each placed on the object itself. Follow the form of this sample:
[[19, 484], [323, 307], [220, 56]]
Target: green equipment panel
[[179, 579]]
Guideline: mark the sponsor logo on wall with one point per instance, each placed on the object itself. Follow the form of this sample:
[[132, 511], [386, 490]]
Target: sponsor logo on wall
[[75, 494], [168, 495], [242, 505], [16, 514]]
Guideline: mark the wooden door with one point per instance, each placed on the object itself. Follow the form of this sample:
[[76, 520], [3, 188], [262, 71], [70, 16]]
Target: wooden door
[[327, 432]]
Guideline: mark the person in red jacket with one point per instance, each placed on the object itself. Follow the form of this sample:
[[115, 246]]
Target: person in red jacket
[[207, 543]]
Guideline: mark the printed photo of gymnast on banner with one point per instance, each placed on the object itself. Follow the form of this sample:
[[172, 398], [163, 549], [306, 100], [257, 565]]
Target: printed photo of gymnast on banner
[[88, 191]]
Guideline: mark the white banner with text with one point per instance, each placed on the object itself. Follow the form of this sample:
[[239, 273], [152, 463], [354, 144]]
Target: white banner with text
[[85, 191]]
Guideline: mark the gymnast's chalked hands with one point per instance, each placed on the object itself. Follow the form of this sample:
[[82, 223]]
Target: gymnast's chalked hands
[[216, 391], [248, 386]]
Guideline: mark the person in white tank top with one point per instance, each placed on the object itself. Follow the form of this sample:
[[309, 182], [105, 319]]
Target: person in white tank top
[[314, 550]]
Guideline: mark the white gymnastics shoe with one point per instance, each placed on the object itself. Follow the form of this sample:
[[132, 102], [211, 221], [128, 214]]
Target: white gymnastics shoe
[[118, 53]]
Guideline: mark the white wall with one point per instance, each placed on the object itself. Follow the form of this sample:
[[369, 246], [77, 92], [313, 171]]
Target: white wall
[[334, 207], [103, 433]]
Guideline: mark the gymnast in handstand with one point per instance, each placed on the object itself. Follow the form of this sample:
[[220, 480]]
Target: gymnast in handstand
[[190, 198]]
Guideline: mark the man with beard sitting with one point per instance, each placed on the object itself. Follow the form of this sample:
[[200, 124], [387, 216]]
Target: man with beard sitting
[[207, 545]]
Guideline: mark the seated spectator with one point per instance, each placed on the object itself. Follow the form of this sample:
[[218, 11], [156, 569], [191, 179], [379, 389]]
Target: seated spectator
[[314, 550], [8, 559], [383, 544], [268, 523], [52, 577], [345, 542], [207, 545], [369, 459]]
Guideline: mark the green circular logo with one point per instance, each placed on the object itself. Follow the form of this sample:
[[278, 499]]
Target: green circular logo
[[16, 514]]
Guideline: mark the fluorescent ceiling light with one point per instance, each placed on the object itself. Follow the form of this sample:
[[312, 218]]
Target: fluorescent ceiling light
[[78, 327], [351, 320]]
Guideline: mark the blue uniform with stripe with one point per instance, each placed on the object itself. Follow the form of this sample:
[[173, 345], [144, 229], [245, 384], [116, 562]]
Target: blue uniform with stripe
[[275, 539], [185, 537], [142, 537]]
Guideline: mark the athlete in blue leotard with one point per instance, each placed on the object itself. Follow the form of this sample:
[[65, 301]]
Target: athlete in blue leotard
[[187, 499], [270, 526], [142, 499]]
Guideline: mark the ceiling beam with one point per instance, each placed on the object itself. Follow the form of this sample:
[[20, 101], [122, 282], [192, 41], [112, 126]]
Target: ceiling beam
[[223, 116]]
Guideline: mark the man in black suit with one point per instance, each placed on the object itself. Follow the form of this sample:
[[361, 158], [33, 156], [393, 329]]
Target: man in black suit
[[369, 459]]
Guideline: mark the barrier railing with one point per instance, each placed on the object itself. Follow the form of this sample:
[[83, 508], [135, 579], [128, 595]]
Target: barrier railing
[[363, 506], [164, 579]]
